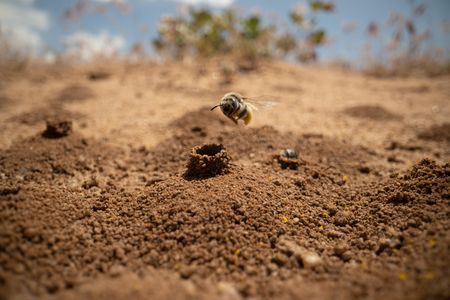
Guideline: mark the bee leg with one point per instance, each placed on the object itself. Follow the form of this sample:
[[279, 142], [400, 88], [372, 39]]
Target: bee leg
[[233, 119]]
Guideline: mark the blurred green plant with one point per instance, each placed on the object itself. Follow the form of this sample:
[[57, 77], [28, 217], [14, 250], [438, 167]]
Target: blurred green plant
[[203, 33], [309, 35], [286, 43], [322, 6]]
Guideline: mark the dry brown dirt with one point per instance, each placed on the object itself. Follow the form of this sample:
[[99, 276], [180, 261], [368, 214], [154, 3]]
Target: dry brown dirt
[[97, 202]]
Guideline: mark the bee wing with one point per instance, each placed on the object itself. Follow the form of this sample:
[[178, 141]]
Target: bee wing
[[252, 106], [261, 102]]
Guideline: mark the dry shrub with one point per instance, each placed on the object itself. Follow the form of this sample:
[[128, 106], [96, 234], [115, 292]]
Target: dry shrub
[[426, 65], [12, 60], [407, 52]]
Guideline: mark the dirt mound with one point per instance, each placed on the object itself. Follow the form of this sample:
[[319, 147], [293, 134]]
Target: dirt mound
[[251, 146], [372, 112], [417, 89], [40, 160], [111, 218], [42, 182], [253, 226], [152, 285], [439, 133], [425, 182], [197, 121], [36, 116], [74, 93], [4, 101]]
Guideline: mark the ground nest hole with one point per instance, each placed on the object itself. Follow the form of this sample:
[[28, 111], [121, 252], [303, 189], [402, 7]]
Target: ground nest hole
[[209, 150], [207, 160]]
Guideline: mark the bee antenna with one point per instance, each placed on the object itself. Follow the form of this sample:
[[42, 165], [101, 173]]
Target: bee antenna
[[215, 106]]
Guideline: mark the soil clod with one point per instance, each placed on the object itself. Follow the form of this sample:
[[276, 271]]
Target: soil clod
[[364, 169], [9, 190]]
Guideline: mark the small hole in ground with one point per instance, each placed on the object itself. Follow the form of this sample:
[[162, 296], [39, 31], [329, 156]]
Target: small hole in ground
[[207, 161], [210, 150]]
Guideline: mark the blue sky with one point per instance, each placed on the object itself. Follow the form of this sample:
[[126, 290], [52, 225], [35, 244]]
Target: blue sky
[[40, 26]]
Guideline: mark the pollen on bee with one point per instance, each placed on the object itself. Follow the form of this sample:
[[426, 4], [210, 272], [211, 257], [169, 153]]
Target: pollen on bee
[[402, 276]]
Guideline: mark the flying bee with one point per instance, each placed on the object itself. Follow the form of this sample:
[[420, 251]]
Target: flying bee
[[236, 107]]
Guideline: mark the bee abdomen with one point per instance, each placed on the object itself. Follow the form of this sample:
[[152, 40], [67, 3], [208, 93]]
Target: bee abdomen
[[289, 153], [243, 111]]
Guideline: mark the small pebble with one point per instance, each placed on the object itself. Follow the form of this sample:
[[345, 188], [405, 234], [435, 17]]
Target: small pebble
[[228, 290], [279, 259], [346, 256], [339, 249], [311, 260]]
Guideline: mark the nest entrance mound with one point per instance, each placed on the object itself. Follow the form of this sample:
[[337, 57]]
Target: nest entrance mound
[[57, 128], [207, 161]]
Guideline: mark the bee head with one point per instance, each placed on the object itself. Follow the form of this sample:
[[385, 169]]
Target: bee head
[[226, 107]]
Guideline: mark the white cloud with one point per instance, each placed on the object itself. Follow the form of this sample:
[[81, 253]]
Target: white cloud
[[85, 46], [22, 39], [22, 24]]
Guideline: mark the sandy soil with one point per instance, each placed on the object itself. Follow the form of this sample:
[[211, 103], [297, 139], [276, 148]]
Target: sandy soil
[[101, 201]]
